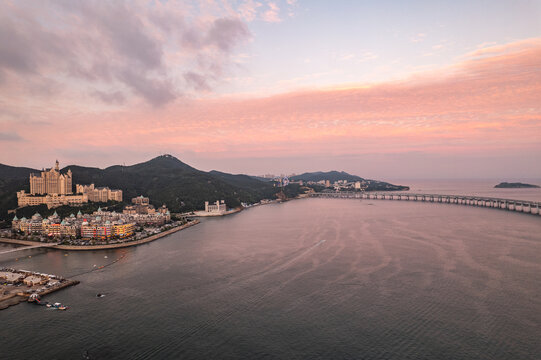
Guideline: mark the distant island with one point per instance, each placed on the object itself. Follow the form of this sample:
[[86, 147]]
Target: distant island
[[515, 185]]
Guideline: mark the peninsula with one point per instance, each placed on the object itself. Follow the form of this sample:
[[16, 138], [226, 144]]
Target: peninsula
[[514, 185]]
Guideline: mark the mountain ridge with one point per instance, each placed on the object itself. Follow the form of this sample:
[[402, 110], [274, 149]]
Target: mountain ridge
[[167, 180], [164, 179]]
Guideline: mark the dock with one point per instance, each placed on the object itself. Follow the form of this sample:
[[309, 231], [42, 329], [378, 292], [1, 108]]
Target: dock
[[17, 286]]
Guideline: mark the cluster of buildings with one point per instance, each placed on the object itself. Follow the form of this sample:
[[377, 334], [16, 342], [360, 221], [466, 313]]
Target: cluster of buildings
[[100, 225], [140, 205], [342, 184], [55, 189], [12, 276]]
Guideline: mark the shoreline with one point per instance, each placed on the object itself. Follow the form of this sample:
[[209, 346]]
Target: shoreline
[[105, 246]]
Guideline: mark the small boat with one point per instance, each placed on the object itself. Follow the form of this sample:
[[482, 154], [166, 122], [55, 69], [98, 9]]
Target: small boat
[[100, 295]]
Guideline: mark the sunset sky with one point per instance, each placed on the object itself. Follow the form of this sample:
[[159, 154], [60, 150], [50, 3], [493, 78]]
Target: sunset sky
[[381, 89]]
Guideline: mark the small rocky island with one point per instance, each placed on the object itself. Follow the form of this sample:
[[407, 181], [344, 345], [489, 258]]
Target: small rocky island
[[515, 185]]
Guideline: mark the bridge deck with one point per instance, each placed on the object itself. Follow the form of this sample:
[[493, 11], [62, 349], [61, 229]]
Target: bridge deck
[[27, 248], [524, 206]]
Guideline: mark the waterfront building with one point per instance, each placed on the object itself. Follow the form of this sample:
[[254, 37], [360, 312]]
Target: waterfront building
[[101, 225], [36, 224], [90, 231], [106, 230], [11, 277], [69, 229], [35, 280], [164, 211], [24, 225], [123, 230], [50, 229], [15, 223], [217, 207]]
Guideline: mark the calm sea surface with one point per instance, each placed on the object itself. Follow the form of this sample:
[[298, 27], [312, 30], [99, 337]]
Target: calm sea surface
[[307, 279]]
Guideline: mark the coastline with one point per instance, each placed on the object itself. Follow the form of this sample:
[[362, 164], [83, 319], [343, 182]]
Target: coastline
[[106, 246]]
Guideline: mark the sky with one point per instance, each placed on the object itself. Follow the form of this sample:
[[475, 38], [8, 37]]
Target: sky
[[380, 89]]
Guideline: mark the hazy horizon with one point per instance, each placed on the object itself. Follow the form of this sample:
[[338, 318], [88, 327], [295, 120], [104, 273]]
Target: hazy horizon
[[391, 178]]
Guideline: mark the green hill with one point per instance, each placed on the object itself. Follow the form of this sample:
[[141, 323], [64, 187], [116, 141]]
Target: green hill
[[165, 180], [12, 179], [262, 189]]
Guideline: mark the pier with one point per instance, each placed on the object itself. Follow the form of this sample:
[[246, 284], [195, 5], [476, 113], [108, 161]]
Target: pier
[[521, 206], [22, 285]]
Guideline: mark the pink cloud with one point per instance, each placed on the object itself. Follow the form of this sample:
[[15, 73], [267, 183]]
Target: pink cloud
[[272, 14], [493, 49], [483, 106]]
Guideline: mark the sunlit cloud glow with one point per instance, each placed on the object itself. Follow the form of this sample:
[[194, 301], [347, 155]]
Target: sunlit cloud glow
[[117, 83]]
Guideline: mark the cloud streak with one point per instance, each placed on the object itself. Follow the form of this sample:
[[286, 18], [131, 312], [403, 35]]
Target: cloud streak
[[10, 136], [487, 105]]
